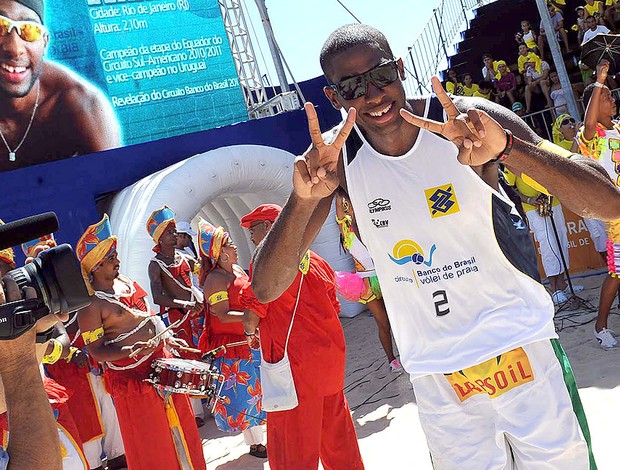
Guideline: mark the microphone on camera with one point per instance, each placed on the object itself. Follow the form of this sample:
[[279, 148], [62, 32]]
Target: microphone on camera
[[26, 229]]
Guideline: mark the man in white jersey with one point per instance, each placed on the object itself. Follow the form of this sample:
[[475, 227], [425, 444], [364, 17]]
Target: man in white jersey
[[472, 322]]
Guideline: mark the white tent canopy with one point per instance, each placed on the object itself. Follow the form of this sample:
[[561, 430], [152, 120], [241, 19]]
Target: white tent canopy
[[220, 186]]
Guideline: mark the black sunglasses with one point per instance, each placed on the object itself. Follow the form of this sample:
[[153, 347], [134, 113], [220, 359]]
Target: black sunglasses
[[381, 76], [568, 121]]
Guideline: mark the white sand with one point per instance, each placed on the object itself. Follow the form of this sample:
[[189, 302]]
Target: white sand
[[385, 413]]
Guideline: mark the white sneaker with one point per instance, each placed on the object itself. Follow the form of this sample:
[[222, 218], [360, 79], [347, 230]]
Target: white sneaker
[[559, 297], [605, 338], [575, 288], [395, 366]]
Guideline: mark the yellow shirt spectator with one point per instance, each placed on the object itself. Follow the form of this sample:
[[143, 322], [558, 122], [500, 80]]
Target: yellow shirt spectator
[[469, 91]]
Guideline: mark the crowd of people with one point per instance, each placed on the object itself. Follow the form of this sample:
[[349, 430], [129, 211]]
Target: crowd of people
[[533, 85], [493, 386], [525, 80]]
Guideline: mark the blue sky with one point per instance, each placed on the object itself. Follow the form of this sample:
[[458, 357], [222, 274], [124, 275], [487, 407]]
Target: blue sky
[[301, 26]]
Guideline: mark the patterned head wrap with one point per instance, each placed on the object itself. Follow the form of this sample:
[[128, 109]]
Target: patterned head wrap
[[46, 240], [96, 244], [158, 222], [7, 255], [211, 240]]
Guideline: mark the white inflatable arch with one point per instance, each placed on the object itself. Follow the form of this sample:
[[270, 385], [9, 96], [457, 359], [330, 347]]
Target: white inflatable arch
[[220, 186]]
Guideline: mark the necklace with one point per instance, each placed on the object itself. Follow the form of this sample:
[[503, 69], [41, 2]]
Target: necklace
[[34, 111]]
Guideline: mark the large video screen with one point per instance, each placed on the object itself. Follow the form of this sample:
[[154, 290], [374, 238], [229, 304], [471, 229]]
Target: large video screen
[[164, 66]]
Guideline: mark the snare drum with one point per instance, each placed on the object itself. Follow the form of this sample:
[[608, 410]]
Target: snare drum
[[183, 376]]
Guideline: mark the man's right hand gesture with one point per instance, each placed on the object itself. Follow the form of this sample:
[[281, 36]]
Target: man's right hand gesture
[[316, 172]]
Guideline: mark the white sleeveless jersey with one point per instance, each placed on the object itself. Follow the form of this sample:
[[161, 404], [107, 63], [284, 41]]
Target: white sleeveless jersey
[[455, 262]]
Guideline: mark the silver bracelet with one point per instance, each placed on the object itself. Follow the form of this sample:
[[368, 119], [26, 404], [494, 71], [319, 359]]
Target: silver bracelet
[[598, 85]]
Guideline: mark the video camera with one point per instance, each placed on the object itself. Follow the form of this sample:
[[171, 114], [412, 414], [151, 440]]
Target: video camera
[[55, 275]]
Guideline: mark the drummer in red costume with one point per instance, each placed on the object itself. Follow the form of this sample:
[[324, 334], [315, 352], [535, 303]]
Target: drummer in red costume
[[157, 432], [321, 425], [81, 377], [170, 274]]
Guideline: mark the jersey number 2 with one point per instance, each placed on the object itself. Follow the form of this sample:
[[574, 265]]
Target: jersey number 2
[[441, 303]]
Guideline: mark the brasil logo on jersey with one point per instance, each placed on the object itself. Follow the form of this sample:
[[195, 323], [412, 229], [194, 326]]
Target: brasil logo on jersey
[[441, 200]]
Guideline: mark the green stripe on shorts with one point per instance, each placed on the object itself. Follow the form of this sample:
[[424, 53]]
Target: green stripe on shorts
[[569, 380]]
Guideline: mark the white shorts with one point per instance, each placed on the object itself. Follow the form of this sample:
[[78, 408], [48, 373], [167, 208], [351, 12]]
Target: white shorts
[[548, 246], [512, 412]]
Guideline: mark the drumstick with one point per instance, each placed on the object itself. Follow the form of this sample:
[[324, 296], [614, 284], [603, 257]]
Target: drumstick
[[221, 348], [157, 336]]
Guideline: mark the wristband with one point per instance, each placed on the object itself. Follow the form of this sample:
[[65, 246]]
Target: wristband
[[506, 152], [53, 357], [598, 85], [249, 334]]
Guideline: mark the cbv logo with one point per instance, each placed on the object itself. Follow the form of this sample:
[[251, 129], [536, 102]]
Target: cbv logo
[[379, 223]]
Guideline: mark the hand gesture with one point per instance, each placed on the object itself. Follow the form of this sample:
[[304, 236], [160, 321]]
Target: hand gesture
[[315, 175], [601, 71], [479, 137]]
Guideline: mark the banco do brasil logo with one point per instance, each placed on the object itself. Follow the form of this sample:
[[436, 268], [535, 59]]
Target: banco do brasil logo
[[406, 251]]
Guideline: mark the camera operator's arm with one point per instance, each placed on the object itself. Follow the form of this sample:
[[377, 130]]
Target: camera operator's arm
[[33, 441]]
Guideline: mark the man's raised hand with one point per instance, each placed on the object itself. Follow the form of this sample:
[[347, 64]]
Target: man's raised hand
[[316, 172], [478, 137]]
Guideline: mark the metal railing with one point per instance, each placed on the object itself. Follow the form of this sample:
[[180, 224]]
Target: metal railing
[[435, 43]]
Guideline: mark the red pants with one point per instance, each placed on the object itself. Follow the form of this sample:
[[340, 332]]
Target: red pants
[[320, 427]]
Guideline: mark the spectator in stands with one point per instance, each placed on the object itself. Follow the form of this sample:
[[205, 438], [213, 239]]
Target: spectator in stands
[[452, 85], [580, 27], [593, 29], [612, 13], [525, 55], [490, 68], [557, 93], [536, 79], [595, 8], [557, 20], [518, 109], [527, 36], [506, 83], [485, 90], [469, 87]]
